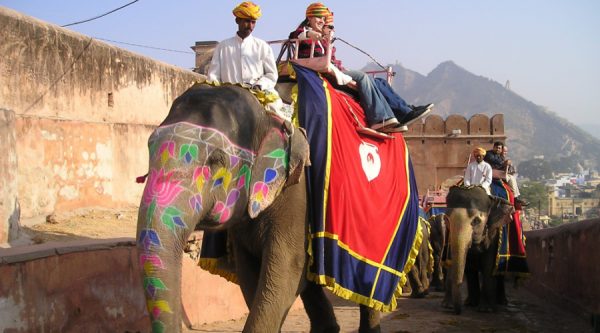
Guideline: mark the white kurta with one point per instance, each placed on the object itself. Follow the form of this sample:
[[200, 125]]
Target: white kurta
[[249, 60], [479, 174]]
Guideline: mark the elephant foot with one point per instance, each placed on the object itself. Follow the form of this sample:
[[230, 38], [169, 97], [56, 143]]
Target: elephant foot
[[446, 304], [329, 329], [369, 329], [419, 294], [471, 302], [486, 309]]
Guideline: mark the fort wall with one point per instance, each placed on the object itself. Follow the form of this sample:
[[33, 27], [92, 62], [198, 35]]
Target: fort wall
[[81, 112], [440, 149], [563, 262]]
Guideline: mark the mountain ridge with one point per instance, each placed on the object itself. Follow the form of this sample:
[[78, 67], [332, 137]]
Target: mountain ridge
[[531, 129]]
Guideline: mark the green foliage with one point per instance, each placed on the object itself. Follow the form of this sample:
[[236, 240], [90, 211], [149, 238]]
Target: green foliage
[[535, 169], [536, 193], [555, 221]]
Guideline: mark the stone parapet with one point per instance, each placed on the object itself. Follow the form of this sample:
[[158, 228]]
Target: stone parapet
[[95, 286], [564, 265], [440, 149]]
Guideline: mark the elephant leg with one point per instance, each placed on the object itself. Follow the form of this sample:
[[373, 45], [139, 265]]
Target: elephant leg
[[247, 269], [488, 301], [500, 291], [437, 280], [415, 283], [280, 246], [472, 274], [370, 320], [319, 309]]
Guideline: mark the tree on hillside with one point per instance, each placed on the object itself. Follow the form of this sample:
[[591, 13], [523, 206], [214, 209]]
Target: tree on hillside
[[536, 193], [535, 169]]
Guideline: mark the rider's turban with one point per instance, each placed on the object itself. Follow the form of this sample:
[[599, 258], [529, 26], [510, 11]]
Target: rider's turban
[[479, 150], [317, 9], [247, 10], [329, 19]]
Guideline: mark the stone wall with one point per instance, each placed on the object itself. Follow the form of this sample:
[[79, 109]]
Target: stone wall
[[440, 149], [564, 264], [95, 286], [83, 111], [9, 206]]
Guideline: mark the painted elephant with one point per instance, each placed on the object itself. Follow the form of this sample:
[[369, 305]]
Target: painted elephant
[[475, 219], [219, 162], [420, 273], [437, 239]]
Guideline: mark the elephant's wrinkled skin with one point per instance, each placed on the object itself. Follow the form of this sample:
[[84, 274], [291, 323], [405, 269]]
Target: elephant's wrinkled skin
[[218, 161], [437, 239], [475, 219], [420, 274]]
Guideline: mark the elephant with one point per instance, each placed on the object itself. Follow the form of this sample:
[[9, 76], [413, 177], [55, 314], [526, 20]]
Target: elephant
[[475, 219], [219, 162], [420, 273], [437, 239]]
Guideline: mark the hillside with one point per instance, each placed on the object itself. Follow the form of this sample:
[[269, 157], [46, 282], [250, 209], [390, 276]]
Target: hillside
[[531, 129]]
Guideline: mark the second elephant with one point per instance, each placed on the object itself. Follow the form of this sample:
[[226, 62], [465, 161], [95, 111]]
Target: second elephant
[[475, 219]]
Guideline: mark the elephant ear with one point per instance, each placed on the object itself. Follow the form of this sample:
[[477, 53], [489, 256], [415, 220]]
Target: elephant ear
[[299, 156], [270, 170]]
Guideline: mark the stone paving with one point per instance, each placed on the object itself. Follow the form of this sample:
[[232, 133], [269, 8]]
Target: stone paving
[[525, 313]]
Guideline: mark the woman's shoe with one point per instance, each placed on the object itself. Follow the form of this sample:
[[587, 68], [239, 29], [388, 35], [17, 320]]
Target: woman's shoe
[[386, 123], [395, 128]]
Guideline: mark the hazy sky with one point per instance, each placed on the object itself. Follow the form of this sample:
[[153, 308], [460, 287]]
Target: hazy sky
[[548, 49]]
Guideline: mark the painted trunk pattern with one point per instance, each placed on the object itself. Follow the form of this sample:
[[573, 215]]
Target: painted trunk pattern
[[179, 180]]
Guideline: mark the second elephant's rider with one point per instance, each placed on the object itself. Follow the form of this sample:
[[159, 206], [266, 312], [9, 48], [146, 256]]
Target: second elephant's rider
[[247, 60], [479, 172], [385, 110]]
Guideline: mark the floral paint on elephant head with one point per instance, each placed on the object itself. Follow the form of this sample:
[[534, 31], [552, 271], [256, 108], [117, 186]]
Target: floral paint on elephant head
[[180, 174], [275, 165]]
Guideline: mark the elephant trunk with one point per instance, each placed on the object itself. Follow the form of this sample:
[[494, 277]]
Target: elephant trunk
[[460, 239], [161, 236]]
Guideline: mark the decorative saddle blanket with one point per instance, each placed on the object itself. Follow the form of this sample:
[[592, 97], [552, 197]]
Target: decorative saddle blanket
[[511, 258], [364, 230], [364, 233]]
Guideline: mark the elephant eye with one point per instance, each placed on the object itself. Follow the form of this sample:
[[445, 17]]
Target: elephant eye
[[217, 159], [476, 221]]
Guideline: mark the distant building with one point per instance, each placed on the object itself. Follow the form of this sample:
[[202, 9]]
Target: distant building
[[571, 207]]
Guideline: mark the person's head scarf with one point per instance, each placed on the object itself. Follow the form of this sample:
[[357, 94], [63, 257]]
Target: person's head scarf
[[479, 151], [317, 9], [329, 19], [247, 10]]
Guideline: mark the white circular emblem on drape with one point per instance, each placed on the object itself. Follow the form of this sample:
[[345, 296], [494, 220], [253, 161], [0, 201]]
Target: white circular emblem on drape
[[369, 159]]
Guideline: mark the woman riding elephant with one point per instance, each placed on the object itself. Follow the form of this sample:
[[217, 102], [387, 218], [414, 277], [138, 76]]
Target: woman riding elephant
[[475, 219]]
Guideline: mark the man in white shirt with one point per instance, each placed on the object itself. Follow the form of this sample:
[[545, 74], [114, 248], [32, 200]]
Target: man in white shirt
[[479, 172], [247, 60], [243, 58]]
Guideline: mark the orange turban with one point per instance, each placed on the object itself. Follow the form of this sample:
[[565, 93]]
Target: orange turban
[[247, 10], [479, 150], [317, 9]]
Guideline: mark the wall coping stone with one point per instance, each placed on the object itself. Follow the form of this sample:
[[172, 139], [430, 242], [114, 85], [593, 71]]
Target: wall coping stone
[[38, 251]]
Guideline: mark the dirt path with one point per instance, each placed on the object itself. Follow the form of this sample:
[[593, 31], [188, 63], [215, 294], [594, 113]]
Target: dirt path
[[89, 223], [525, 313]]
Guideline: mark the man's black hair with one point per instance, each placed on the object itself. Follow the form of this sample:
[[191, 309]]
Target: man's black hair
[[498, 143]]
